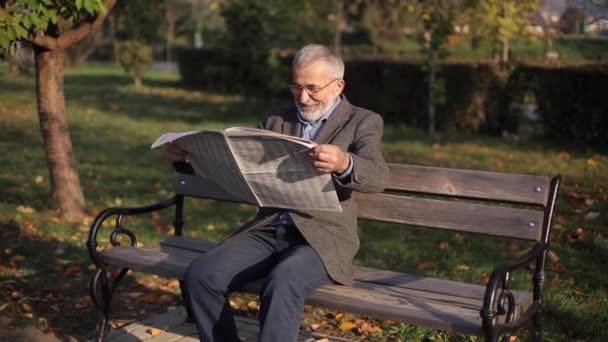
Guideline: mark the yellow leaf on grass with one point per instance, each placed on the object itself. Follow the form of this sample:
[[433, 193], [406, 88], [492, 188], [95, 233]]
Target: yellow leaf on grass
[[347, 326], [592, 162]]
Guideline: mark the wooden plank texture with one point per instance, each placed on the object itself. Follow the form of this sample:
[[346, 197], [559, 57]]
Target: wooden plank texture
[[436, 303], [471, 184], [468, 217]]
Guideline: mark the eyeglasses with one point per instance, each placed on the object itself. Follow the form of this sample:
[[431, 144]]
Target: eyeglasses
[[310, 90]]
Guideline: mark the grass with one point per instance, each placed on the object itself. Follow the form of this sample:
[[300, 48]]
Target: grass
[[44, 266]]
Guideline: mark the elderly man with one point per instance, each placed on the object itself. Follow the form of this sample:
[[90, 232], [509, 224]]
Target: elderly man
[[295, 252]]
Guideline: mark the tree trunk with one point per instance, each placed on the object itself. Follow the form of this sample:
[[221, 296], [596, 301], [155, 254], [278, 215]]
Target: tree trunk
[[505, 51], [338, 31], [66, 190], [169, 43], [431, 68]]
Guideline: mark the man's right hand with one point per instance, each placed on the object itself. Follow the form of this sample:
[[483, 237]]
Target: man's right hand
[[176, 153]]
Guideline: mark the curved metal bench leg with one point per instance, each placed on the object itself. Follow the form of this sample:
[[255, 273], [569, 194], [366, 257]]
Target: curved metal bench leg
[[101, 292]]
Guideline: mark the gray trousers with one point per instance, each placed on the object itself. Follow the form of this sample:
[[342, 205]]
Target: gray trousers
[[291, 270]]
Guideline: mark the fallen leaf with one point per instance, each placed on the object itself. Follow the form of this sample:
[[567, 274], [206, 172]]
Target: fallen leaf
[[39, 180], [25, 210], [72, 271], [552, 256], [28, 315], [54, 219], [134, 294], [4, 306], [427, 265], [462, 267], [166, 298], [592, 215], [513, 339], [26, 307], [49, 330], [80, 306], [313, 326], [485, 278], [557, 268], [17, 258], [173, 284], [324, 339], [252, 305], [444, 245], [369, 328], [347, 326], [150, 297], [339, 315], [154, 331]]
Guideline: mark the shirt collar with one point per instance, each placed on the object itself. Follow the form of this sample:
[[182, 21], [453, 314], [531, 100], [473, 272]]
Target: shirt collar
[[324, 117]]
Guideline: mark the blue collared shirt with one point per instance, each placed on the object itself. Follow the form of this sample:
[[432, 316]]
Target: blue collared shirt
[[310, 130]]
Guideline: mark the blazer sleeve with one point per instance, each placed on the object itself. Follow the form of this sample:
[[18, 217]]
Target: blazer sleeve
[[370, 172]]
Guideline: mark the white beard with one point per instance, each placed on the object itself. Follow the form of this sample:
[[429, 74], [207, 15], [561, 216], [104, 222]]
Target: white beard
[[311, 115]]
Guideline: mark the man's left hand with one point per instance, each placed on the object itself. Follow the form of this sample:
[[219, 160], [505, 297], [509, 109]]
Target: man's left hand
[[329, 158]]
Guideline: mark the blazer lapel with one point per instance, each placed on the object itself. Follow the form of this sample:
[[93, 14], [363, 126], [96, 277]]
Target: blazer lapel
[[334, 123]]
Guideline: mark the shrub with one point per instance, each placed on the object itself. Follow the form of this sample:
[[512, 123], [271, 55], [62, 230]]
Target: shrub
[[135, 57]]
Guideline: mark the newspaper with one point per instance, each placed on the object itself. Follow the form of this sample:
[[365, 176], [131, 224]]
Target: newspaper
[[257, 166]]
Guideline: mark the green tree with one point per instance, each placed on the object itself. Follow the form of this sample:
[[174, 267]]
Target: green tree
[[502, 20], [135, 58], [51, 26], [437, 19]]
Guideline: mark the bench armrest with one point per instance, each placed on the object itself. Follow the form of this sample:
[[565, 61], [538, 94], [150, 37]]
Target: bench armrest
[[120, 212], [497, 289]]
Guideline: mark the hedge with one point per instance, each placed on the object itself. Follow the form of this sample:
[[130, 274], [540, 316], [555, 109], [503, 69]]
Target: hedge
[[476, 98]]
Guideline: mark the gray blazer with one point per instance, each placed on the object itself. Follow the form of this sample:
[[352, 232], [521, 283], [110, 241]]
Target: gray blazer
[[334, 235]]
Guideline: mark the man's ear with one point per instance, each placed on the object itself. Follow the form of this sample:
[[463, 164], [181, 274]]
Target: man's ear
[[341, 84]]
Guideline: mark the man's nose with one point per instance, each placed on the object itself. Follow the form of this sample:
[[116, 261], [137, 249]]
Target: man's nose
[[303, 96]]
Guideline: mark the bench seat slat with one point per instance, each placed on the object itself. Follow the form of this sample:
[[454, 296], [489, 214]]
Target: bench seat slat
[[467, 217], [516, 188], [385, 294], [191, 248]]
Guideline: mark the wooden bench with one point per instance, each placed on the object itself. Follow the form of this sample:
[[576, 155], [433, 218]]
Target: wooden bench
[[487, 203]]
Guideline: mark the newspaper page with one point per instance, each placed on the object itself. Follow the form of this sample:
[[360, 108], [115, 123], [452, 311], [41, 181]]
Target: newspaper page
[[280, 172], [271, 167], [212, 159]]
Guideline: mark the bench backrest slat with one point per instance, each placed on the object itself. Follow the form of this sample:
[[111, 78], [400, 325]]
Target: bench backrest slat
[[467, 217], [484, 185]]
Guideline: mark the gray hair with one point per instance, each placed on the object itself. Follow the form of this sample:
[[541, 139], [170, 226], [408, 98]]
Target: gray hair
[[315, 52]]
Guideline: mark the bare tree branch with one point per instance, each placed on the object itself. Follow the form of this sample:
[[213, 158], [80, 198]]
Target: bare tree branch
[[80, 31]]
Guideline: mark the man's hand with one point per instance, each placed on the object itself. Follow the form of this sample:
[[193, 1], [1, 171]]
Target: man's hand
[[329, 158], [176, 153]]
